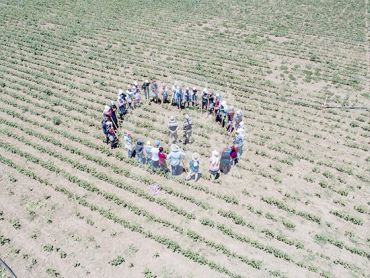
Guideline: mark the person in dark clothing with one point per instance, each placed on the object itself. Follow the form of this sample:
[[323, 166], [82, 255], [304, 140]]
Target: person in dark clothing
[[104, 128], [114, 116], [225, 163], [139, 151], [145, 88]]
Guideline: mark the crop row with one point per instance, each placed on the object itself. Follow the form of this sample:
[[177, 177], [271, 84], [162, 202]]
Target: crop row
[[169, 243]]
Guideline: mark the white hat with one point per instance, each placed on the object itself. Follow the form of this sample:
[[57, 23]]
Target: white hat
[[109, 123], [146, 81], [239, 112], [172, 119], [223, 103], [175, 148], [120, 91], [187, 116], [135, 83], [195, 156], [215, 154]]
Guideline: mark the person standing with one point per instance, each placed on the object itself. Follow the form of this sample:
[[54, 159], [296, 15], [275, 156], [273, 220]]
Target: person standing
[[155, 154], [105, 130], [121, 103], [238, 118], [139, 151], [234, 154], [114, 115], [112, 138], [179, 97], [162, 160], [225, 163], [145, 88], [172, 130], [154, 91], [127, 139], [194, 97], [239, 141], [187, 97], [175, 158], [205, 96], [214, 165], [193, 167], [188, 128], [164, 94], [148, 153]]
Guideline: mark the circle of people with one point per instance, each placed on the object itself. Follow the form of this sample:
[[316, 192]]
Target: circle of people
[[154, 155]]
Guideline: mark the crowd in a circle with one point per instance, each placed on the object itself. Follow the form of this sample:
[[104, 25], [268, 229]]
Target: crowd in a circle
[[154, 154]]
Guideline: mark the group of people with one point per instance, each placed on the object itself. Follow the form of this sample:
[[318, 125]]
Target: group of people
[[154, 155]]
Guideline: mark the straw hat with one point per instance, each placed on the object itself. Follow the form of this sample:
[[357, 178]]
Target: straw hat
[[195, 156], [174, 148], [148, 142]]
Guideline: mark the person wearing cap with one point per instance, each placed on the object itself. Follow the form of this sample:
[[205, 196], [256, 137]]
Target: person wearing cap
[[155, 154], [145, 88], [172, 130], [214, 165], [164, 93], [194, 97], [162, 160], [139, 151], [175, 158], [225, 162], [188, 128], [127, 139], [148, 153], [121, 101], [193, 167]]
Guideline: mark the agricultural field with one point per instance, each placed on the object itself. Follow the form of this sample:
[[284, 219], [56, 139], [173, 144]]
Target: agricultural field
[[296, 205]]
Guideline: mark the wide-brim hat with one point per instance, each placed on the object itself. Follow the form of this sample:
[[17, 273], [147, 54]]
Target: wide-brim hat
[[157, 143], [195, 156], [175, 148], [146, 81], [215, 154], [148, 143], [172, 119], [223, 103], [135, 83], [187, 116]]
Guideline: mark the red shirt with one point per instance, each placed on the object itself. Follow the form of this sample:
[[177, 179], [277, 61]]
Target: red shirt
[[162, 158]]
